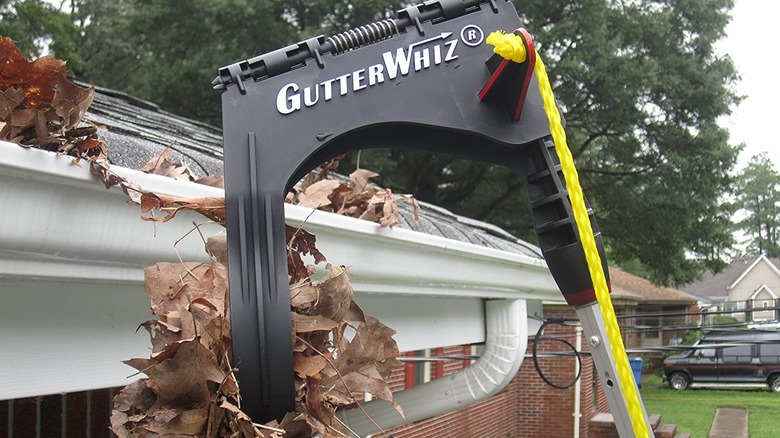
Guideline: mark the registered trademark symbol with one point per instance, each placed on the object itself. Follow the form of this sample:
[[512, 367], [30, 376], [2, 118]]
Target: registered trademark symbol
[[471, 35]]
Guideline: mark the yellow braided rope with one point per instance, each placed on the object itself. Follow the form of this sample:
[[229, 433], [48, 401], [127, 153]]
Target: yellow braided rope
[[510, 46]]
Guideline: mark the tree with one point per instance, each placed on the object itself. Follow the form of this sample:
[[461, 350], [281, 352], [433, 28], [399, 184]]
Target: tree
[[639, 82], [641, 87], [38, 27], [758, 198], [169, 51]]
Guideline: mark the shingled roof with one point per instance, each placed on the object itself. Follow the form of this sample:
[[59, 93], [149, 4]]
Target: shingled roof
[[135, 131], [631, 287], [715, 285]]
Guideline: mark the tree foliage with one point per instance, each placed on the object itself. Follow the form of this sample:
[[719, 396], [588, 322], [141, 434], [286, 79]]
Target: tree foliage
[[758, 197], [169, 51], [38, 27], [641, 87], [640, 83]]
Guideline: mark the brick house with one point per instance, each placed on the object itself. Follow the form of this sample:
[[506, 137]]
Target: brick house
[[653, 307], [72, 301], [531, 407], [86, 328]]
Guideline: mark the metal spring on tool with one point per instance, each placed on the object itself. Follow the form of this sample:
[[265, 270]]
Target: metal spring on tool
[[364, 35]]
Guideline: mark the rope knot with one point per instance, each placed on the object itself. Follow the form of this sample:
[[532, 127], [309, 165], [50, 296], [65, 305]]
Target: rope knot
[[508, 46]]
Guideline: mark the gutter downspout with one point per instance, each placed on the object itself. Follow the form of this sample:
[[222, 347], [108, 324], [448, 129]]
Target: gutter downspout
[[505, 347], [577, 385]]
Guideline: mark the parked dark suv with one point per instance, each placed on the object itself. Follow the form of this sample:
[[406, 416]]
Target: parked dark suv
[[723, 358]]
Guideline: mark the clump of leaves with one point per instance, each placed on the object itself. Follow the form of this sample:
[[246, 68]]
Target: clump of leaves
[[338, 350], [329, 366], [41, 108], [191, 390], [359, 198]]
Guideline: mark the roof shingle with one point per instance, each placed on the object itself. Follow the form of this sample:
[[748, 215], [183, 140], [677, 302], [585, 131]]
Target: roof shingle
[[632, 287]]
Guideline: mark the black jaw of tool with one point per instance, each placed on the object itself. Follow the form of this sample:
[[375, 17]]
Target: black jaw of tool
[[412, 82]]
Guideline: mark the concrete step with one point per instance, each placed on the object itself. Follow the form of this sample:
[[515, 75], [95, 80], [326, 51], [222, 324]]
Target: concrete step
[[683, 435], [666, 431], [655, 420]]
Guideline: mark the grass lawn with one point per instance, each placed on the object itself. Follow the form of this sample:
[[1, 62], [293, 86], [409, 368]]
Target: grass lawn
[[692, 410]]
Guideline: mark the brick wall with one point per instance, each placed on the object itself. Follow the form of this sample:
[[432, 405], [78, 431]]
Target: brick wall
[[74, 415], [526, 407], [547, 411]]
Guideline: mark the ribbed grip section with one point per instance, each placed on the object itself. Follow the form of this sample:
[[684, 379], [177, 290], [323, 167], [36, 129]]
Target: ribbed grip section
[[554, 222]]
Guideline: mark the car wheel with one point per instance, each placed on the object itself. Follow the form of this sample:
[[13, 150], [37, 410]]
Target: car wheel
[[774, 383], [680, 381]]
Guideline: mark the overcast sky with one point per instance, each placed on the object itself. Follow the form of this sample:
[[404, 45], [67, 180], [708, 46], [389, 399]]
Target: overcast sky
[[750, 41]]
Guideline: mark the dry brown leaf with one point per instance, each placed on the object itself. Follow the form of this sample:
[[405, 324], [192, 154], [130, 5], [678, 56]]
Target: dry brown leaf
[[311, 323], [318, 194], [294, 423], [335, 293], [211, 207], [132, 399], [364, 380], [71, 102], [181, 380], [308, 366], [161, 165], [360, 178], [102, 170], [161, 335], [299, 243], [10, 58], [216, 246], [355, 313], [10, 99], [89, 147], [164, 281], [45, 72], [372, 345], [212, 180], [303, 295], [177, 422]]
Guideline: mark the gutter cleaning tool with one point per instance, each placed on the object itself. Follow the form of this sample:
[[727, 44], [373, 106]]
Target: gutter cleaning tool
[[425, 80]]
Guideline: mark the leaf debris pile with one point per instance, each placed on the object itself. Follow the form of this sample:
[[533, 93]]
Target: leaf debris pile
[[359, 198], [41, 108], [190, 388], [338, 350]]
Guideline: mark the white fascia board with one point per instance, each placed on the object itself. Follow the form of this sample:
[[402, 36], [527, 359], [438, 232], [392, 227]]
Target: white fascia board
[[761, 288]]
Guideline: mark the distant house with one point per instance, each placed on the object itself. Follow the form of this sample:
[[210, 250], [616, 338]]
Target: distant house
[[649, 315], [658, 310], [748, 288]]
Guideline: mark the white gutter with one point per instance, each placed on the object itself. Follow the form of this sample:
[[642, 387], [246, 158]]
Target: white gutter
[[71, 274], [59, 213], [505, 346]]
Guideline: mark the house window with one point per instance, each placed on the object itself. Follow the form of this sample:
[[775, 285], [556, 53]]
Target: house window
[[650, 325], [766, 304]]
